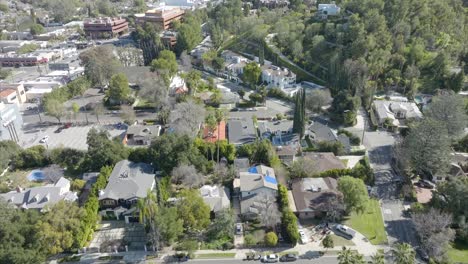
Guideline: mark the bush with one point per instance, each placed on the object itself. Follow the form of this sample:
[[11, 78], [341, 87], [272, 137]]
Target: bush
[[187, 245], [336, 147], [354, 140], [289, 225], [283, 197], [278, 93], [32, 157], [228, 245], [271, 239], [77, 185], [249, 240]]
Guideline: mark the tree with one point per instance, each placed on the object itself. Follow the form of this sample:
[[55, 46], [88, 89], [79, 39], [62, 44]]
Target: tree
[[100, 64], [449, 111], [378, 258], [241, 93], [169, 224], [165, 66], [55, 108], [303, 168], [327, 242], [187, 175], [102, 151], [427, 147], [433, 228], [194, 212], [36, 29], [148, 208], [354, 193], [268, 210], [8, 150], [404, 253], [105, 8], [316, 99], [75, 109], [119, 90], [186, 118], [98, 110], [346, 256], [289, 225], [299, 121], [271, 239], [128, 114], [189, 34], [222, 225], [251, 74], [58, 227]]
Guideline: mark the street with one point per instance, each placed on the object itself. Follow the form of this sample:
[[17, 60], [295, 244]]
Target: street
[[321, 260]]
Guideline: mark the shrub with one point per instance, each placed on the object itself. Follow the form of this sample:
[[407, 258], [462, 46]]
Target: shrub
[[283, 197], [249, 240], [353, 139], [187, 245], [289, 225], [77, 185], [271, 239], [228, 245], [336, 147]]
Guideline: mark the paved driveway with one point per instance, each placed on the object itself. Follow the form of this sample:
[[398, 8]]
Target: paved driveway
[[117, 233]]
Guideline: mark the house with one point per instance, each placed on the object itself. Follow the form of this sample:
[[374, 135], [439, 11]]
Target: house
[[212, 136], [128, 182], [325, 10], [241, 132], [324, 161], [395, 112], [275, 76], [234, 63], [255, 185], [287, 154], [312, 196], [216, 197], [141, 135], [12, 93], [319, 132], [458, 167], [40, 197]]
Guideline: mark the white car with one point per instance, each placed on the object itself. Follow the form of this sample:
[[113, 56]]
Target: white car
[[44, 139], [304, 239], [239, 229], [272, 258]]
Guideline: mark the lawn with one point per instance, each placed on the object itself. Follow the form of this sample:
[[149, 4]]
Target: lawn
[[12, 179], [458, 253], [340, 241], [370, 223], [215, 255]]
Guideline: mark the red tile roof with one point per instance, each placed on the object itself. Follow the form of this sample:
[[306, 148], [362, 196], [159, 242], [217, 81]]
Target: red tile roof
[[208, 137], [6, 92]]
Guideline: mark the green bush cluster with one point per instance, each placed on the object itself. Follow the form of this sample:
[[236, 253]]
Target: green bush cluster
[[353, 139], [288, 218]]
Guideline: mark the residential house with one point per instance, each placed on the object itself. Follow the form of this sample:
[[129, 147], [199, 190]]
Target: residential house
[[234, 63], [40, 197], [128, 182], [324, 161], [12, 93], [216, 197], [325, 10], [312, 196], [241, 132], [395, 112], [458, 167], [212, 136], [278, 77], [319, 132], [255, 185], [141, 135], [287, 154]]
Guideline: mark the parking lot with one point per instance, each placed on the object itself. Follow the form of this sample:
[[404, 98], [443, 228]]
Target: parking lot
[[73, 137]]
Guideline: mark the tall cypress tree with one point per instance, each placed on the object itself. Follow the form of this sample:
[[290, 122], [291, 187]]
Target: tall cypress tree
[[299, 113]]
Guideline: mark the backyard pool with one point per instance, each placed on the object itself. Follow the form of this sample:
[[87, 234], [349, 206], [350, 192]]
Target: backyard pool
[[36, 175]]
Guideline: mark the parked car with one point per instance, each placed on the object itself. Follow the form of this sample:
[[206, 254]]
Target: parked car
[[272, 258], [44, 139], [58, 130], [67, 125], [346, 231], [303, 236], [288, 258], [239, 229], [253, 256]]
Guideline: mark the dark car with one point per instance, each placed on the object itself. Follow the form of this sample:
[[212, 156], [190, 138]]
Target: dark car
[[58, 130], [288, 258]]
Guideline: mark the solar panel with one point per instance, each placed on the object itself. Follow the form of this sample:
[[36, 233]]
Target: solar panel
[[270, 180]]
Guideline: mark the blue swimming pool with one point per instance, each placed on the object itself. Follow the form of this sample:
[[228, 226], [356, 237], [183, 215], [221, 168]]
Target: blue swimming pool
[[36, 175]]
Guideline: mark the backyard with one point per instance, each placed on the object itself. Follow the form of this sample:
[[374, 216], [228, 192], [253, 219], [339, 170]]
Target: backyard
[[369, 223], [458, 253], [13, 179]]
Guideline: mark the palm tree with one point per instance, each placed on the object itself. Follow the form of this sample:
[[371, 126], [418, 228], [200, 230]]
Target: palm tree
[[148, 208], [404, 254], [378, 258], [346, 256], [220, 115]]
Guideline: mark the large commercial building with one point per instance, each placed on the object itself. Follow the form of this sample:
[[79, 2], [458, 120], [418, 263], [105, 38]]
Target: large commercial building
[[31, 59], [105, 27], [12, 93], [162, 17], [10, 122]]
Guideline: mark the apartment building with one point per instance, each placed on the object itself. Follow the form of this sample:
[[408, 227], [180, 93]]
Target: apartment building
[[107, 27]]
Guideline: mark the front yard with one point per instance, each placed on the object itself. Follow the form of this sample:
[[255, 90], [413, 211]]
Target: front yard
[[339, 241], [458, 253], [370, 223], [215, 255]]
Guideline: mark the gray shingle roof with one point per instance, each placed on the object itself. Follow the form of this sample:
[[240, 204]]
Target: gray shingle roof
[[241, 131], [129, 180], [217, 197], [253, 180]]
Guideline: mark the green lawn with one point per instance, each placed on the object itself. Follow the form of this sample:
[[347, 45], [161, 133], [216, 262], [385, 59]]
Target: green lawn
[[458, 253], [340, 241], [215, 255], [370, 223]]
